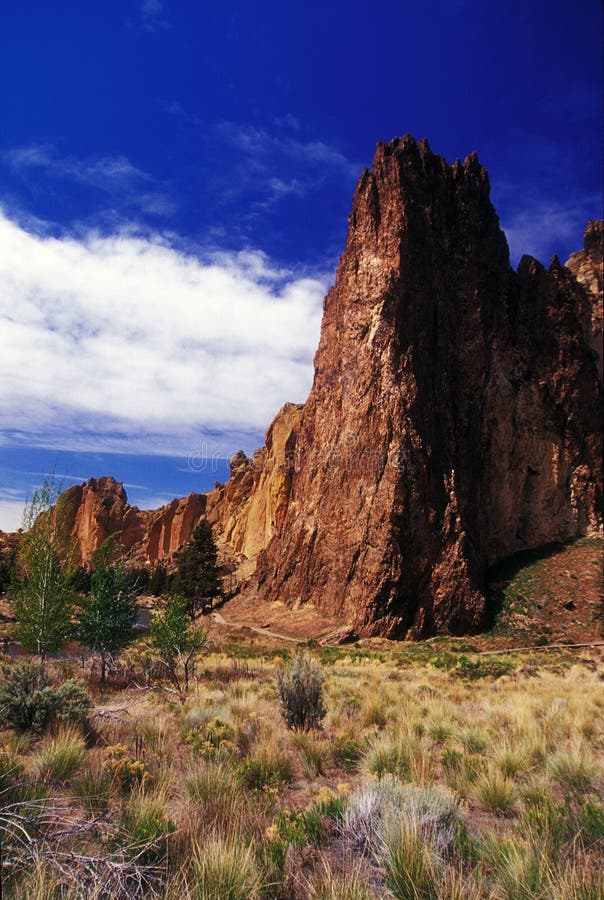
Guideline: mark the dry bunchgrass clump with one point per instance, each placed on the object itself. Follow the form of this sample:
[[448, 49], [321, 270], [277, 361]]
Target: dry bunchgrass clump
[[268, 765], [216, 787], [224, 867], [410, 866], [388, 754], [60, 755], [573, 769], [314, 751], [146, 826], [93, 787], [496, 792], [344, 885]]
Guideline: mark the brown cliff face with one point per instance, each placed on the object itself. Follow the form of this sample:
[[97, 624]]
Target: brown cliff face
[[245, 512], [454, 419], [100, 508], [251, 507], [455, 412], [587, 266]]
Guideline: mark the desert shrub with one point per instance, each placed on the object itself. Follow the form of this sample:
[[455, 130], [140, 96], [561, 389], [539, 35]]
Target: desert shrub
[[60, 755], [300, 687], [374, 809], [30, 701], [224, 868]]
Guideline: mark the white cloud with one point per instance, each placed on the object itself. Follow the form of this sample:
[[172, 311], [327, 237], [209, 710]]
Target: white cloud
[[126, 343], [12, 505]]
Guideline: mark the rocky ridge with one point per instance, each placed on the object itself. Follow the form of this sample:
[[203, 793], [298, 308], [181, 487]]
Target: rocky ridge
[[454, 419]]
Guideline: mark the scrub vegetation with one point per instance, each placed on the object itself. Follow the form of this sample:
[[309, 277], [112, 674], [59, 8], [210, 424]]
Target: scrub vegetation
[[405, 777]]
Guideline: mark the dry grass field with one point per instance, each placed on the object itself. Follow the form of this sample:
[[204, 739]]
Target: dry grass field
[[437, 771]]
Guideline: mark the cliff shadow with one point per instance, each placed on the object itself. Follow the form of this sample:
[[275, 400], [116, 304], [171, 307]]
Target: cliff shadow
[[502, 573]]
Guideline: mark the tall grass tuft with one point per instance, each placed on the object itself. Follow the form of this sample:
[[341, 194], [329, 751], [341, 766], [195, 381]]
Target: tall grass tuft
[[573, 769], [496, 792], [409, 864], [60, 755], [224, 869]]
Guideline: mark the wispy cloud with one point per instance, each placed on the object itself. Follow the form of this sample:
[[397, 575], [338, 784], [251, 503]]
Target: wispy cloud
[[261, 144], [540, 229], [543, 211], [116, 176], [152, 14], [127, 343], [176, 109]]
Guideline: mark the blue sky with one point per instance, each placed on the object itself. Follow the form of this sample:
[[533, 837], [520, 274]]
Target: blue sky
[[175, 181]]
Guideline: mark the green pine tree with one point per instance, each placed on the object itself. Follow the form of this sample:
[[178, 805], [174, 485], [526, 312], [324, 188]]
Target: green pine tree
[[197, 577], [106, 623]]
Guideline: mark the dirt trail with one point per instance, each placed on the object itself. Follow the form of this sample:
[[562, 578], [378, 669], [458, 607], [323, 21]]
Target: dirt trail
[[220, 620]]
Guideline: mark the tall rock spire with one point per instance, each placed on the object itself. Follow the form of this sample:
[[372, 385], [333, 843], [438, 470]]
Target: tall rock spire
[[454, 416]]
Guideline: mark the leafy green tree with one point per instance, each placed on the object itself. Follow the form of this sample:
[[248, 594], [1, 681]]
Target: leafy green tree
[[197, 577], [177, 642], [106, 622], [41, 596]]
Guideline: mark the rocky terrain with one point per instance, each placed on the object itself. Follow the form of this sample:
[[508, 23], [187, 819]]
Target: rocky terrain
[[454, 419]]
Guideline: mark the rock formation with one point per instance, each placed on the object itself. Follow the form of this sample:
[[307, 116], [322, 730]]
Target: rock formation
[[454, 419], [455, 414], [245, 512], [587, 266]]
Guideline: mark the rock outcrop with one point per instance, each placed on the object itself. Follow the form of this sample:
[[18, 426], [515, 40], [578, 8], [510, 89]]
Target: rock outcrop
[[587, 266], [99, 508], [245, 512], [454, 419]]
